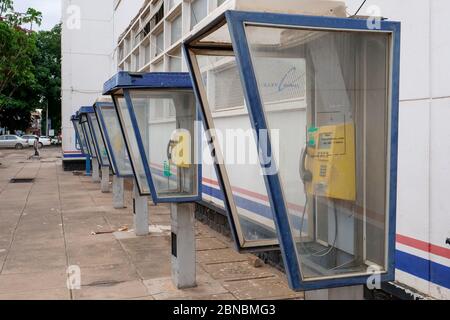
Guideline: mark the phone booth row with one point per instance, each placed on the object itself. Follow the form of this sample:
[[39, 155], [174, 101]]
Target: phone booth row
[[317, 98]]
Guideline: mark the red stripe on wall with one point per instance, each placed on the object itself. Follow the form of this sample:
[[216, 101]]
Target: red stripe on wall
[[424, 246]]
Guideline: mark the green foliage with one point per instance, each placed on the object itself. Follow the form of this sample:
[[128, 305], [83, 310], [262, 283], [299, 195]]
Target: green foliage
[[29, 68], [48, 72]]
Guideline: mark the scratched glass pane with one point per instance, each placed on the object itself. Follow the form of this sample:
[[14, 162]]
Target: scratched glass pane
[[326, 95]]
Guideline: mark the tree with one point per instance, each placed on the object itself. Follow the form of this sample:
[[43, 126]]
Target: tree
[[48, 73], [18, 84]]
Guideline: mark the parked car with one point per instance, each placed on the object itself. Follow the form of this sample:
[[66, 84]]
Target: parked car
[[12, 141], [43, 141], [56, 140]]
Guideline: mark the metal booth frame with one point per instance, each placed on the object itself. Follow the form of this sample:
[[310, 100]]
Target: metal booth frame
[[237, 21], [149, 81]]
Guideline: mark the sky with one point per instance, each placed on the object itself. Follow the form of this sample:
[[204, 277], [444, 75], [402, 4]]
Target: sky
[[51, 11]]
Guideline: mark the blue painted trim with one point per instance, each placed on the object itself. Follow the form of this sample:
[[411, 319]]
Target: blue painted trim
[[86, 109], [395, 87], [157, 80], [75, 156]]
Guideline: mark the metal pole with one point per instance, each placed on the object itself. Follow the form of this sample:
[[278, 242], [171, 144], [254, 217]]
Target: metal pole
[[183, 245], [118, 193], [95, 171], [105, 180], [342, 293], [46, 121], [140, 210], [88, 166]]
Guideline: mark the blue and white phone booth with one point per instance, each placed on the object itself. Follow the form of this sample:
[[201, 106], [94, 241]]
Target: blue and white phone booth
[[81, 142], [92, 150], [159, 119], [118, 155], [317, 98]]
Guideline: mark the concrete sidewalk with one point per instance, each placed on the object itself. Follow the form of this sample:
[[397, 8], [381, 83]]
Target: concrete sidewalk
[[46, 226]]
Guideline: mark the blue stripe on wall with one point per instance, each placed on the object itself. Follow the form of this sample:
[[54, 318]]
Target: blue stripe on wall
[[423, 268]]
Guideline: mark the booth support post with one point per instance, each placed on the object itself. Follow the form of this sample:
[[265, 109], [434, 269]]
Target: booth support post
[[342, 293], [105, 180], [95, 170], [140, 210], [183, 245], [118, 193], [88, 166]]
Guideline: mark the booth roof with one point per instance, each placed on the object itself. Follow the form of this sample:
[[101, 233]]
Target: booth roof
[[168, 80]]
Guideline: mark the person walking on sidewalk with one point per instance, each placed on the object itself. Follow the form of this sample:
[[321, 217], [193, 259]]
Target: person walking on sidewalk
[[36, 147]]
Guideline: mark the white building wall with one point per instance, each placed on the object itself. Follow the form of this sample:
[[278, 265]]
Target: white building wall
[[423, 222]]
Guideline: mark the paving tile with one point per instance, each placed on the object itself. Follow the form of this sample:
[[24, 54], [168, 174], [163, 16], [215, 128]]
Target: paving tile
[[164, 289], [112, 291], [96, 254], [28, 282], [220, 256], [209, 244], [104, 274], [51, 294], [237, 270], [154, 269], [221, 296], [32, 260], [272, 287]]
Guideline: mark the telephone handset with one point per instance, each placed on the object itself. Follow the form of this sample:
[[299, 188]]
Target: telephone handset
[[305, 174], [179, 148]]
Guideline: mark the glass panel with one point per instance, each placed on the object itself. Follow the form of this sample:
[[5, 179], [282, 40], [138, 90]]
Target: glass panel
[[170, 139], [220, 36], [101, 148], [175, 29], [327, 94], [114, 135], [88, 135], [81, 136], [130, 139], [199, 10], [253, 214]]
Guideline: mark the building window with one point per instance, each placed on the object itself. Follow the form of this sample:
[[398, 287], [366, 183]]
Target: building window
[[158, 67], [173, 3], [199, 10], [147, 53], [157, 17], [159, 43], [176, 29], [175, 61]]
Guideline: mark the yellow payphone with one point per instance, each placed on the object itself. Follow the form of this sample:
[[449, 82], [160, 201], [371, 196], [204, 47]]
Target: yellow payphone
[[179, 148], [329, 162]]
